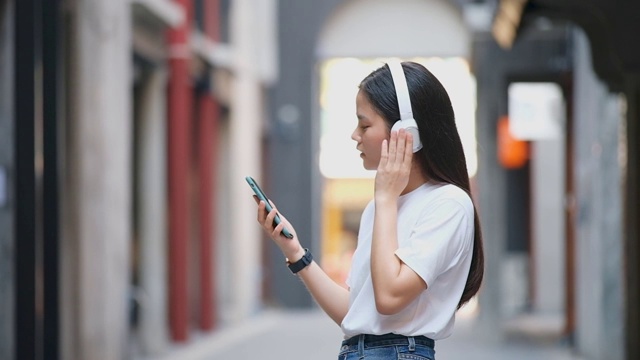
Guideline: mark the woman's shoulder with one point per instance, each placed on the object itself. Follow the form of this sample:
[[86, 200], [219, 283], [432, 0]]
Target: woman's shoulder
[[449, 193], [452, 191]]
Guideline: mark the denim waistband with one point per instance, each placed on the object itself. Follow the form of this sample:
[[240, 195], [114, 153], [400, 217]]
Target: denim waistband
[[389, 339]]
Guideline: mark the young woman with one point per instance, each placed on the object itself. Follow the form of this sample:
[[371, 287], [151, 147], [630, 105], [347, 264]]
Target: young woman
[[419, 256]]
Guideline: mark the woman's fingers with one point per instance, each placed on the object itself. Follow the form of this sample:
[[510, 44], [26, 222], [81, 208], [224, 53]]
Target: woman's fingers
[[401, 145], [264, 218], [269, 220], [408, 150], [393, 143], [395, 163], [398, 151], [384, 154], [277, 230]]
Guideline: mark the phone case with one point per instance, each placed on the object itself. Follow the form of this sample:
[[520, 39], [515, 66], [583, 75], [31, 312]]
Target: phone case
[[262, 196]]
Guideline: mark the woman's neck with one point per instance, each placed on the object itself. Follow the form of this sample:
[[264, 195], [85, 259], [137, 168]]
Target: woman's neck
[[416, 179]]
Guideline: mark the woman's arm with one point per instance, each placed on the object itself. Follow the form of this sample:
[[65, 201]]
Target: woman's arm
[[395, 284], [332, 298]]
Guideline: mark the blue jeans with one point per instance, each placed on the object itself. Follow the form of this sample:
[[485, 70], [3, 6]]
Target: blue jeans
[[387, 347]]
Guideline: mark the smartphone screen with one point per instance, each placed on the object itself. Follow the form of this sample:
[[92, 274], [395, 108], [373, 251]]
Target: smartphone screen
[[262, 196]]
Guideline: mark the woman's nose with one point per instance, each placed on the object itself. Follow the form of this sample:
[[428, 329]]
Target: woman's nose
[[355, 136]]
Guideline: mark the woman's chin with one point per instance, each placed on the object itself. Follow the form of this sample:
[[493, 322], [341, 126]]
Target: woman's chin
[[369, 166], [367, 163]]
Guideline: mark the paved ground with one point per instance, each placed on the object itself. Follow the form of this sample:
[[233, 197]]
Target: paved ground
[[310, 335]]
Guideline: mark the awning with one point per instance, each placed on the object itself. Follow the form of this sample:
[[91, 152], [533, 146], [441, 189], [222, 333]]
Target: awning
[[612, 28]]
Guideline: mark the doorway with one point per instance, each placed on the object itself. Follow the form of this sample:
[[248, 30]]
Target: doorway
[[539, 115]]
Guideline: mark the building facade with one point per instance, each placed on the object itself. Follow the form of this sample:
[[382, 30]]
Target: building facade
[[128, 128]]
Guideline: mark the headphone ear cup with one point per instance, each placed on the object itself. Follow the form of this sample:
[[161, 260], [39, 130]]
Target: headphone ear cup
[[397, 126], [417, 144], [410, 126]]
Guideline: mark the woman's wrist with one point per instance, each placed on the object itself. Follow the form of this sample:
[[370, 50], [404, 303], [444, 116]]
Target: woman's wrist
[[384, 199], [296, 255]]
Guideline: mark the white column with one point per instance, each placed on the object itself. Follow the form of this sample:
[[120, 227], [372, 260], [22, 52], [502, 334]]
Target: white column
[[548, 174], [98, 185], [245, 138], [152, 194]]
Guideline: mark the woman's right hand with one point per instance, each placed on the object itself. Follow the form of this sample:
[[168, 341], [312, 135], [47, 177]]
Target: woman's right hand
[[291, 248]]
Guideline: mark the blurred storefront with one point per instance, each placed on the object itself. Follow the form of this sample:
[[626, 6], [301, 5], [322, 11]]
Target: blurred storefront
[[130, 126]]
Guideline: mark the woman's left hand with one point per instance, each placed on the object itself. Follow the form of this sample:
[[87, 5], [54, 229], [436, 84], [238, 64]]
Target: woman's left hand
[[394, 168]]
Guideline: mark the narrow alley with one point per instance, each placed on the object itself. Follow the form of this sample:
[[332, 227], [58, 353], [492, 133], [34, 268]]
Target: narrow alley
[[310, 335]]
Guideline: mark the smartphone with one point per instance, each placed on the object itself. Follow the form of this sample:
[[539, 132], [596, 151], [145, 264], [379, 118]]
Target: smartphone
[[261, 195]]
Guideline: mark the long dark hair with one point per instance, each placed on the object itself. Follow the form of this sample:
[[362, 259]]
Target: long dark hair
[[441, 157]]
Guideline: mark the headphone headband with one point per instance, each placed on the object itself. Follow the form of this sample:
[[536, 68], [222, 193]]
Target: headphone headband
[[402, 90], [406, 120]]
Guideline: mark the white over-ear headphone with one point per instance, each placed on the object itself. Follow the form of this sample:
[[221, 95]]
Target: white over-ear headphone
[[406, 120]]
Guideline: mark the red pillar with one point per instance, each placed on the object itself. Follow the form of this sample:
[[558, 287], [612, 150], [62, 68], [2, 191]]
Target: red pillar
[[208, 133], [212, 19], [179, 124]]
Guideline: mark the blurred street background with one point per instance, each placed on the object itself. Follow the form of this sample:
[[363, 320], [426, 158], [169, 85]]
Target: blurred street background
[[127, 127], [311, 335]]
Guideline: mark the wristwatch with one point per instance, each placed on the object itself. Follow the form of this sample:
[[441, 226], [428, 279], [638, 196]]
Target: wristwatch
[[304, 261]]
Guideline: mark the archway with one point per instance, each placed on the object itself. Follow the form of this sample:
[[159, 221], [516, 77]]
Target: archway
[[357, 38]]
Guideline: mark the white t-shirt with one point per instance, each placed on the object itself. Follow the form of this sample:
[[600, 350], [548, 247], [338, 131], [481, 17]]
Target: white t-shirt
[[435, 238]]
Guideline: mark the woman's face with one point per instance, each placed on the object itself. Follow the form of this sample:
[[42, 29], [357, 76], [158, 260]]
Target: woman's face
[[371, 130]]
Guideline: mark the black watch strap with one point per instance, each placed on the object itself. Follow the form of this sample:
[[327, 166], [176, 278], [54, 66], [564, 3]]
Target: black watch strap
[[306, 259]]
